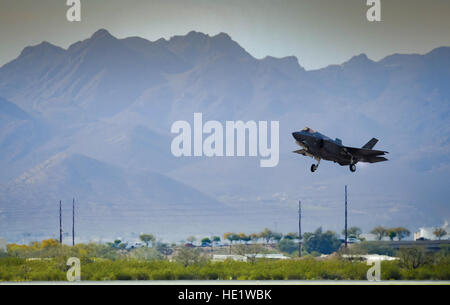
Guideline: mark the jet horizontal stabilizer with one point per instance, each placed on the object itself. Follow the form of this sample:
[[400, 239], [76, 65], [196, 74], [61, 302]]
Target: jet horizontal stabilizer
[[376, 159]]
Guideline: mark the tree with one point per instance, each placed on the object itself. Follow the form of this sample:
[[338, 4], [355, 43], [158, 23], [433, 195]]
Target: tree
[[439, 233], [191, 239], [413, 257], [287, 245], [380, 232], [147, 238], [214, 239], [189, 256], [243, 237], [266, 234], [321, 242], [206, 240], [49, 243], [254, 237], [391, 234], [401, 232], [117, 244], [353, 232], [146, 254], [277, 236], [228, 236], [253, 250], [240, 249], [231, 237], [291, 236], [163, 248]]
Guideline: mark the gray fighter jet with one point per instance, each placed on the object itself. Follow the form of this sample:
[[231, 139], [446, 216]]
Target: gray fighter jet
[[319, 146]]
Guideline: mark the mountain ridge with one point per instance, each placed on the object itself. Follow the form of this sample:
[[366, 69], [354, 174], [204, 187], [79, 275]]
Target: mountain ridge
[[105, 33]]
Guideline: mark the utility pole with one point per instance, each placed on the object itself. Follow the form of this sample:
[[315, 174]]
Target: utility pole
[[299, 228], [73, 222], [60, 223], [346, 216]]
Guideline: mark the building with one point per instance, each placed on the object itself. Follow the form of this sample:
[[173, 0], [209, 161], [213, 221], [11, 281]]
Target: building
[[224, 257], [267, 256], [370, 257], [242, 258], [427, 233]]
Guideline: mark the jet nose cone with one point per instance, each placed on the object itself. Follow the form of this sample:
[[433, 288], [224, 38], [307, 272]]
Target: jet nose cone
[[296, 135]]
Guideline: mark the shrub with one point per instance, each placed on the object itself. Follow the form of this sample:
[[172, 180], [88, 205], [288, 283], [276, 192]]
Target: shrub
[[17, 269], [288, 246], [122, 276]]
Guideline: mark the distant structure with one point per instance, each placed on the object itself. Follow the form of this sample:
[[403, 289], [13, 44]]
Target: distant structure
[[267, 256], [299, 228], [224, 257], [60, 224], [423, 233], [244, 258], [73, 222], [346, 235], [370, 257], [427, 233], [3, 245]]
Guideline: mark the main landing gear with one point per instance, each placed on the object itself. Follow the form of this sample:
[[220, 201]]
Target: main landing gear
[[315, 166]]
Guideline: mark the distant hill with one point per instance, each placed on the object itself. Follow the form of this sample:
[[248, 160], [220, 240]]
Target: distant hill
[[110, 200], [20, 134]]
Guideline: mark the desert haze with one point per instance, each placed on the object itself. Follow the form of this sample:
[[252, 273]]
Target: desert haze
[[93, 122]]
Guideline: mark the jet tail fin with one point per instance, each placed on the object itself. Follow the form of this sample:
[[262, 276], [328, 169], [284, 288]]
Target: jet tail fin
[[370, 144]]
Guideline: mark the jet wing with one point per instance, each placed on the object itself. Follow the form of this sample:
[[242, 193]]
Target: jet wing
[[303, 152]]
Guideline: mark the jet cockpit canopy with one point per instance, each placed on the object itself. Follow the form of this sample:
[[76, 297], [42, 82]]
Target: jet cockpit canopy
[[309, 130]]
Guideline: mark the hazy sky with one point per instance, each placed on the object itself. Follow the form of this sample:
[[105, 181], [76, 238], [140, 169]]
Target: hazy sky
[[318, 32]]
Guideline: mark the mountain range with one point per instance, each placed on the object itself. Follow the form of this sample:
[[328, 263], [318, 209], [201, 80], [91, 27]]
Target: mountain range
[[93, 122]]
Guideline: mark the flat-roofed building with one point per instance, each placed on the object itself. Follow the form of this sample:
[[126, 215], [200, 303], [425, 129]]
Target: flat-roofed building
[[224, 257]]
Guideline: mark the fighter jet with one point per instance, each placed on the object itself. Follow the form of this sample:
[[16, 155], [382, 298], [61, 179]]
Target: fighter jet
[[319, 146]]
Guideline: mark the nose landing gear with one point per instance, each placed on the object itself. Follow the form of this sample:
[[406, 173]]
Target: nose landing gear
[[352, 168]]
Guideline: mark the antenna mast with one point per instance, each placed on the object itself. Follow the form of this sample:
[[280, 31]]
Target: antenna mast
[[346, 217], [299, 228], [73, 222], [60, 223]]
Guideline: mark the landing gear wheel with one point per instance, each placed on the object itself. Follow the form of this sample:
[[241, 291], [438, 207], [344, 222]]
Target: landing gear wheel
[[352, 168], [313, 168]]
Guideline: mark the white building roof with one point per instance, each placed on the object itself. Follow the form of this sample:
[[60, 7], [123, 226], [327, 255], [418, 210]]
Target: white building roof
[[372, 257]]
